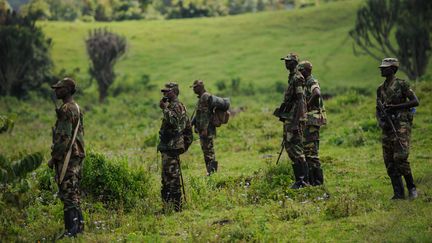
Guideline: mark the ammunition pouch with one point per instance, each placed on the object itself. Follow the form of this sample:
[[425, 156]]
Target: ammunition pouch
[[316, 118]]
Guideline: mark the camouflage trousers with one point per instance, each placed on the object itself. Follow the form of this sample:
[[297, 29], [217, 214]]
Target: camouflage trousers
[[208, 149], [395, 155], [293, 141], [311, 146], [69, 190], [171, 188]]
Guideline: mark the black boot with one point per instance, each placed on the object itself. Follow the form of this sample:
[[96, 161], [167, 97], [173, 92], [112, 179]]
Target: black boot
[[398, 187], [71, 222], [311, 177], [80, 221], [300, 174], [177, 201], [209, 167], [412, 191], [319, 176], [214, 166]]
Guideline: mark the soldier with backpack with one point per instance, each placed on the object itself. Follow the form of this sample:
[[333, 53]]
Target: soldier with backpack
[[211, 111]]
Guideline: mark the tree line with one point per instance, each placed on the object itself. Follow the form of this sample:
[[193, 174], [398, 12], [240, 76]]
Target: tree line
[[118, 10]]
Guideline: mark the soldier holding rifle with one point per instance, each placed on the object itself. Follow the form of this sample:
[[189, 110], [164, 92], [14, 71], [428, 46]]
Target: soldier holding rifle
[[395, 108]]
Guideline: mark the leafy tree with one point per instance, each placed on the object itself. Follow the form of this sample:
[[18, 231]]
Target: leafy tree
[[25, 62], [104, 49], [36, 9], [379, 22]]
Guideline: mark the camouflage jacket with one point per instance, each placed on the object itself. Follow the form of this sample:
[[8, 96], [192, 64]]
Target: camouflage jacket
[[316, 115], [67, 119], [294, 98], [174, 122], [393, 93], [204, 114]]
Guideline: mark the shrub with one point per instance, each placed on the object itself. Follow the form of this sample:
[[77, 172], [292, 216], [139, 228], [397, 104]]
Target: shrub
[[113, 182]]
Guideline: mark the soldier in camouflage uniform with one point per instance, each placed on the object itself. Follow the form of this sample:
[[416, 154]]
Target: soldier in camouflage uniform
[[204, 127], [172, 144], [69, 118], [316, 117], [294, 116], [398, 100]]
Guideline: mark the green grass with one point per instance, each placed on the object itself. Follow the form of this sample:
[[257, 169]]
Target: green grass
[[222, 208]]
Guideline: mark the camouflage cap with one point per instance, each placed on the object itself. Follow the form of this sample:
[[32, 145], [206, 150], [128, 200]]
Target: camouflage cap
[[389, 62], [65, 82], [171, 86], [304, 65], [197, 82], [291, 56]]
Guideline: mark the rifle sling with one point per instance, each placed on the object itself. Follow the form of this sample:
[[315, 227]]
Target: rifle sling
[[69, 152]]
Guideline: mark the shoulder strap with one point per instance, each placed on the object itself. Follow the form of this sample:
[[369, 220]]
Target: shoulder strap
[[68, 155]]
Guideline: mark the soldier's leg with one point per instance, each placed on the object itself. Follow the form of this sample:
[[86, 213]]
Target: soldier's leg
[[311, 151], [294, 148], [401, 158], [171, 191], [393, 172], [69, 193], [209, 154]]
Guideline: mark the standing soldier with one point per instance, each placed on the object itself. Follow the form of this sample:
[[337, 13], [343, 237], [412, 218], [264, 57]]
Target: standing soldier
[[204, 126], [293, 113], [395, 101], [173, 142], [67, 154], [316, 117]]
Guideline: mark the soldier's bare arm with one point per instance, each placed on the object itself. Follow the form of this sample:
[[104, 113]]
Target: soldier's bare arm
[[412, 102]]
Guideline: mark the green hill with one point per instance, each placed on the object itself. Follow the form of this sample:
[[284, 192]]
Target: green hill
[[249, 199]]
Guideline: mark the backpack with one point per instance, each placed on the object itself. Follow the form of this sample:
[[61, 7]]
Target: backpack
[[220, 107]]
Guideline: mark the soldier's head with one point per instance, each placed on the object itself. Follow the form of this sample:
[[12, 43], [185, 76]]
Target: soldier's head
[[305, 67], [64, 88], [198, 86], [170, 90], [389, 66], [291, 61]]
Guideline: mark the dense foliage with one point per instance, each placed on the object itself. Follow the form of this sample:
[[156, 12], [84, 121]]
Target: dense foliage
[[25, 61], [116, 10]]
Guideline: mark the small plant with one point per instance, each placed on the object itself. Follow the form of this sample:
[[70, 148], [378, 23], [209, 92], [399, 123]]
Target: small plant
[[6, 124], [14, 171]]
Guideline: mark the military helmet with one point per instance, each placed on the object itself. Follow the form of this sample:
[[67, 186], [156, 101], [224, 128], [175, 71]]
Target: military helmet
[[304, 65], [197, 82], [65, 82], [291, 57], [389, 62], [171, 86]]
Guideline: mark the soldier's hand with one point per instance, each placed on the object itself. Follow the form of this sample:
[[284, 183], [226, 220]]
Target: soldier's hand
[[51, 163], [204, 133], [163, 104], [390, 108]]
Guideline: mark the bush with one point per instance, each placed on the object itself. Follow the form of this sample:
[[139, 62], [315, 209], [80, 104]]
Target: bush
[[113, 182], [25, 63]]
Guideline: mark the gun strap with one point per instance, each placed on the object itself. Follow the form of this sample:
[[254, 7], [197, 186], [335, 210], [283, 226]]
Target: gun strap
[[69, 152]]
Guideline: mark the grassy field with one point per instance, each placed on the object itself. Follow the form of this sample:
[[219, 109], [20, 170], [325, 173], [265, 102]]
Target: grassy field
[[249, 199]]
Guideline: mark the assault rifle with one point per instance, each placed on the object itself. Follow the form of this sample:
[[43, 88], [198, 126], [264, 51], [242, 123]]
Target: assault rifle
[[281, 150], [389, 120]]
